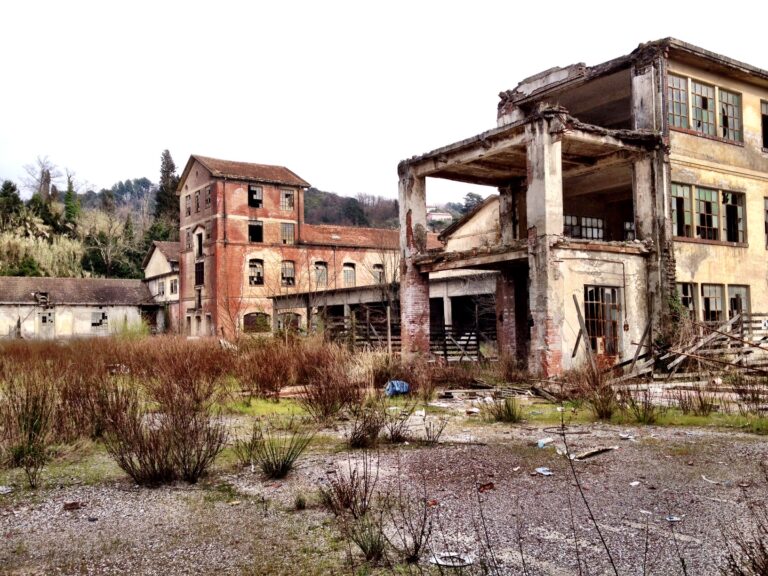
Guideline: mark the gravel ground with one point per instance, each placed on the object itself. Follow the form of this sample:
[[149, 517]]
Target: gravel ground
[[237, 523]]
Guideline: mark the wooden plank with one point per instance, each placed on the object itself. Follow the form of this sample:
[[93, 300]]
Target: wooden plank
[[583, 325], [684, 354], [640, 345]]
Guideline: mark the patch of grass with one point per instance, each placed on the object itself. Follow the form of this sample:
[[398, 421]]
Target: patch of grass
[[223, 492], [264, 407]]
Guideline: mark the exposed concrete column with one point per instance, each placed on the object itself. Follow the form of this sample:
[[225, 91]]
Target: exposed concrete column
[[544, 200], [506, 325], [414, 286], [509, 223], [646, 97], [642, 198]]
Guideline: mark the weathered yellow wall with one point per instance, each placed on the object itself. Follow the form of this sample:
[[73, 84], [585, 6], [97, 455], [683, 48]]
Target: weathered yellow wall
[[68, 321], [482, 229], [743, 168]]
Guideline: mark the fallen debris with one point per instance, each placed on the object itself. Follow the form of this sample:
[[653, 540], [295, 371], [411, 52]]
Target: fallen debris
[[487, 487], [672, 518], [544, 442], [5, 490], [594, 452], [544, 471], [635, 483], [70, 506], [451, 559], [708, 480]]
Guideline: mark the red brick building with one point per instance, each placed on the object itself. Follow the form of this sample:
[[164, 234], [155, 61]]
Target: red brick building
[[243, 239]]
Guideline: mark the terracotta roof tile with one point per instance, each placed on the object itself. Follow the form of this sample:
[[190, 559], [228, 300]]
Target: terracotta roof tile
[[95, 291], [250, 171]]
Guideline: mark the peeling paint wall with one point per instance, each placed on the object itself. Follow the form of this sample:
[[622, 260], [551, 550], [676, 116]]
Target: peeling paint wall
[[67, 321], [480, 230]]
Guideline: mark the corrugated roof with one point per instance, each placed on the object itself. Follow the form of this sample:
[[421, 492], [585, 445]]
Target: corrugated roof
[[333, 235], [95, 291], [249, 171]]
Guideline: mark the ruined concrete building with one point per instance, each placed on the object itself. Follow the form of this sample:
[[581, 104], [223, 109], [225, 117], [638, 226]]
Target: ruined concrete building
[[244, 240], [622, 187]]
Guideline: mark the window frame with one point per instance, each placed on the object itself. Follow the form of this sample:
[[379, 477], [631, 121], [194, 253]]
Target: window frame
[[713, 224], [764, 118], [681, 111], [689, 301], [321, 273], [377, 271], [256, 225], [602, 317], [706, 303], [188, 205], [255, 279], [288, 233], [738, 291], [255, 196], [712, 121], [208, 197], [174, 286], [288, 279], [287, 200], [349, 272]]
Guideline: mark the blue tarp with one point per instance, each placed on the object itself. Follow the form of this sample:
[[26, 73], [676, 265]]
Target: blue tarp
[[395, 387]]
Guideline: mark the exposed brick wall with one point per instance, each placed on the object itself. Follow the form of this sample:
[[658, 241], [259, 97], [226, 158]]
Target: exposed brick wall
[[414, 310], [506, 325]]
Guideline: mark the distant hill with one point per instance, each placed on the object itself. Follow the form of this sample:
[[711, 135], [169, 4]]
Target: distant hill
[[364, 210]]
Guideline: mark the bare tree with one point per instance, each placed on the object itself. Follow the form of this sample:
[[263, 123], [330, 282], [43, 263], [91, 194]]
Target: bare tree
[[41, 176]]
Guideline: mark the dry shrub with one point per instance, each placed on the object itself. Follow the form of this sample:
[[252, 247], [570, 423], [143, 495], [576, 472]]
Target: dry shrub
[[27, 409], [329, 387], [747, 552], [504, 410], [638, 403], [367, 532], [455, 374], [274, 453], [267, 365], [178, 441], [396, 424], [591, 385], [367, 421], [698, 401], [751, 391], [511, 370], [434, 428], [352, 492]]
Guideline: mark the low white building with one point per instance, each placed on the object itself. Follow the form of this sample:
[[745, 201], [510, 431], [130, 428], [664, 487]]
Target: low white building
[[66, 307]]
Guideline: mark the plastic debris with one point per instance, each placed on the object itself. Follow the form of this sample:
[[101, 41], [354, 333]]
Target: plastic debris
[[708, 480], [451, 559], [635, 483], [516, 469], [545, 442], [672, 518], [395, 387], [5, 490], [626, 436], [544, 471], [473, 410]]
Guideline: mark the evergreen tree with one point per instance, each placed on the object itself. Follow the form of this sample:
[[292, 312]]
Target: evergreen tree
[[10, 204], [167, 203], [71, 203], [471, 200]]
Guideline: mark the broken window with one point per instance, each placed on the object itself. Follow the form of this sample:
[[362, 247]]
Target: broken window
[[349, 275], [703, 107], [677, 101], [629, 231], [583, 227], [174, 286], [199, 238], [199, 273], [189, 239], [197, 201], [287, 233], [712, 302], [764, 114], [99, 321], [207, 196], [161, 288], [681, 211], [733, 217], [288, 321], [198, 298], [286, 199], [255, 272], [188, 204], [602, 312], [687, 295], [730, 115], [321, 274], [255, 196], [378, 273], [208, 229], [255, 231], [256, 322], [287, 273], [738, 300], [707, 212]]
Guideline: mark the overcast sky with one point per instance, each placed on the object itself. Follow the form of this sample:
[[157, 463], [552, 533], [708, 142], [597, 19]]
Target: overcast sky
[[339, 92]]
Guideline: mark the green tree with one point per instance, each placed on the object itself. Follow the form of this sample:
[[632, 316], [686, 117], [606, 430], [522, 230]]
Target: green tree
[[472, 200], [166, 201], [71, 202], [10, 205]]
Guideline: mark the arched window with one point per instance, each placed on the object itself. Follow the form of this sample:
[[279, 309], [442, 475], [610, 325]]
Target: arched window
[[256, 322], [349, 275]]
